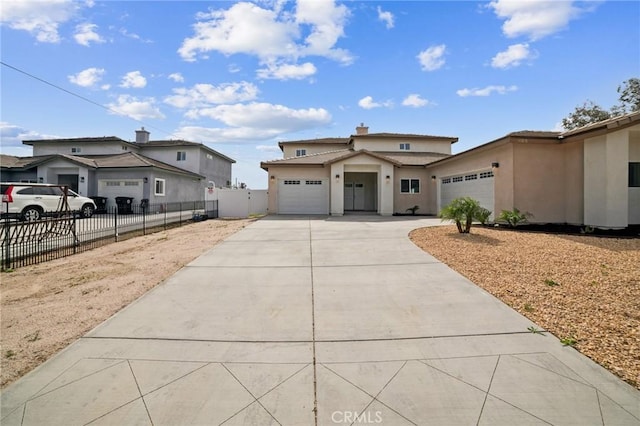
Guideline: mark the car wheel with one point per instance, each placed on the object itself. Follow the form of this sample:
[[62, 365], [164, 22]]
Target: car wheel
[[31, 213], [87, 210]]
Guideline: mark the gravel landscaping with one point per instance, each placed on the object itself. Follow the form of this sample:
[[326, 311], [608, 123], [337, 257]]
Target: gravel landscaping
[[583, 289]]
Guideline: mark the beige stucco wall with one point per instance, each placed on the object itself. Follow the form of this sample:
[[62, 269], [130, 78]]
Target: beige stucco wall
[[289, 151], [288, 172], [386, 144], [634, 193], [479, 160], [539, 182], [403, 201], [573, 182], [606, 192]]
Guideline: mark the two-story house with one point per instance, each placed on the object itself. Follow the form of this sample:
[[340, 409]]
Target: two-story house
[[157, 170], [383, 173], [585, 176]]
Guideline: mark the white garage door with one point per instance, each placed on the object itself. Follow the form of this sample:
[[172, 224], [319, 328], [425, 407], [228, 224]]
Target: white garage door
[[303, 196], [112, 188], [477, 185]]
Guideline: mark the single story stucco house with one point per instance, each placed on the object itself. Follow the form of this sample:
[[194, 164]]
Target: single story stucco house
[[587, 176]]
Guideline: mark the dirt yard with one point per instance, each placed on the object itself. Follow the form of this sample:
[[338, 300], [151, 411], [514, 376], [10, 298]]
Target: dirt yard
[[47, 306], [583, 289]]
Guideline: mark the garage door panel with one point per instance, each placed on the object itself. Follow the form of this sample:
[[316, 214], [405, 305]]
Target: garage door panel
[[112, 188], [303, 196], [477, 185]]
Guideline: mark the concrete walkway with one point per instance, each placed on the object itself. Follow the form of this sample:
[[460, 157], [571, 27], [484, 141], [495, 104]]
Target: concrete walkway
[[305, 321]]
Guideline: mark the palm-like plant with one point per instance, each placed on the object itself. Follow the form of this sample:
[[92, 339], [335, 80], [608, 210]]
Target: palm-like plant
[[461, 210]]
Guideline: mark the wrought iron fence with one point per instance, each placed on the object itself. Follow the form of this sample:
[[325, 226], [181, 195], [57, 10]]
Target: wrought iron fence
[[58, 235]]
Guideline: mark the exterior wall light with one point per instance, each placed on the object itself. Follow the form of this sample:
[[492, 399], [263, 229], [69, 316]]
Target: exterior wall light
[[145, 180], [273, 177], [81, 179], [40, 179], [338, 176], [495, 165], [388, 178], [433, 177]]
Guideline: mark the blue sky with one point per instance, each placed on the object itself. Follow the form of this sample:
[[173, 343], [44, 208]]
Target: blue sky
[[241, 76]]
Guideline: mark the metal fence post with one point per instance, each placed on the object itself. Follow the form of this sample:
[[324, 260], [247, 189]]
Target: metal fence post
[[115, 222], [7, 242]]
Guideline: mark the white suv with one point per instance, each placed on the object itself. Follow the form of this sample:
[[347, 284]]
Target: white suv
[[32, 201]]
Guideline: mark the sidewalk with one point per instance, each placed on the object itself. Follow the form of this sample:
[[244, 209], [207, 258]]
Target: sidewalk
[[300, 321]]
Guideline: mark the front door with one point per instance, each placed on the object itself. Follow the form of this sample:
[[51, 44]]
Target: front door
[[353, 196], [69, 180]]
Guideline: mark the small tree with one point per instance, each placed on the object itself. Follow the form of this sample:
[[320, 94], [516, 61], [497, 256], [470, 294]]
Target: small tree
[[461, 210]]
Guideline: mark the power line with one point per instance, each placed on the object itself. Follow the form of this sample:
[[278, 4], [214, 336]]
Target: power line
[[80, 96]]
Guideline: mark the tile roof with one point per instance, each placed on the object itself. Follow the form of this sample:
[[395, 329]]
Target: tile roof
[[134, 160], [337, 141], [101, 139], [324, 158], [406, 135]]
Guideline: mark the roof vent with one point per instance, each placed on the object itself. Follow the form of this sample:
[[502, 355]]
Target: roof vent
[[142, 136], [362, 130]]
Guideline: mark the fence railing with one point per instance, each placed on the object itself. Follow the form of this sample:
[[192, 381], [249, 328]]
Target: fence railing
[[58, 235]]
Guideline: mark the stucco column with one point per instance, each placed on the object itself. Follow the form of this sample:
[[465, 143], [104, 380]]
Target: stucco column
[[336, 187], [386, 189]]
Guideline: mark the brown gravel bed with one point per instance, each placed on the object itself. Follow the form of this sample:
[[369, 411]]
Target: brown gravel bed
[[575, 286], [46, 307]]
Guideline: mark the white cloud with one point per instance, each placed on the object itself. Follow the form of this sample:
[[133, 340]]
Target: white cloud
[[368, 103], [133, 80], [86, 34], [264, 118], [513, 56], [87, 78], [287, 71], [13, 135], [415, 100], [138, 109], [501, 90], [535, 19], [273, 35], [432, 59], [40, 18], [234, 68], [205, 95], [177, 77], [386, 17]]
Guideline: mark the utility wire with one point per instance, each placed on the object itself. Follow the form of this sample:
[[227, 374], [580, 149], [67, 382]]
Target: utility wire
[[80, 96]]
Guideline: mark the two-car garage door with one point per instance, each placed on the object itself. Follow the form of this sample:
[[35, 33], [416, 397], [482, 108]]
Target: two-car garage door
[[303, 196], [477, 185]]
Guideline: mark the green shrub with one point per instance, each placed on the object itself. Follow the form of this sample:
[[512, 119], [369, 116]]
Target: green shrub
[[464, 210], [514, 217]]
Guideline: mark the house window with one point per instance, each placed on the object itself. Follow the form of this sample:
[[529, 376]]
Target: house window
[[405, 146], [159, 187], [410, 186], [125, 148], [181, 156], [301, 152], [209, 157], [75, 150], [634, 175]]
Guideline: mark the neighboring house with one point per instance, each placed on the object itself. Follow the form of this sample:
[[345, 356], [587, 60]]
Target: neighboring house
[[160, 171], [587, 176]]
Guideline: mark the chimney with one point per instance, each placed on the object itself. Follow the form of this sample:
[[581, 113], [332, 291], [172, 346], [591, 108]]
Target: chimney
[[362, 130], [142, 136]]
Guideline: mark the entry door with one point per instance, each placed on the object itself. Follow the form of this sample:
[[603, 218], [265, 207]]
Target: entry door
[[70, 180], [348, 196], [353, 196]]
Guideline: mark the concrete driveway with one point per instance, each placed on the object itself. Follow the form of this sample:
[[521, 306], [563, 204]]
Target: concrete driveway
[[305, 321]]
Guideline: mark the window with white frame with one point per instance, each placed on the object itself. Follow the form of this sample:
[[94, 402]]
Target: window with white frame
[[76, 150], [301, 152], [410, 186], [181, 156], [405, 146], [159, 187]]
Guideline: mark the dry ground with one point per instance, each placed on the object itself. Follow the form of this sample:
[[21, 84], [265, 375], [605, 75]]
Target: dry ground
[[45, 307], [577, 287]]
